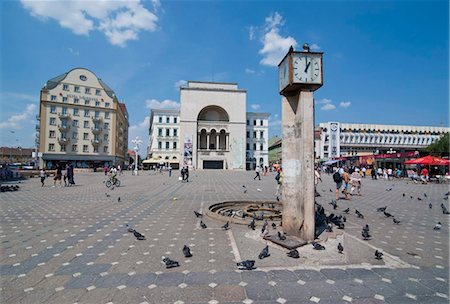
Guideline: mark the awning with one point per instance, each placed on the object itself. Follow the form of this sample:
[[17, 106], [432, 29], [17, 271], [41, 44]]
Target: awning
[[330, 162], [428, 160]]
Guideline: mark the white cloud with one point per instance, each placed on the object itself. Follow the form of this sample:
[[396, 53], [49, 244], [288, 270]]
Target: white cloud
[[251, 32], [250, 71], [165, 104], [16, 121], [120, 21], [328, 106], [275, 46], [323, 101], [74, 52], [345, 104], [179, 84], [314, 47], [255, 106]]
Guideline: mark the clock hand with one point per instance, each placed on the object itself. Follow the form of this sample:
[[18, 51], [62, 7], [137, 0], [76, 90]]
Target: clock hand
[[307, 66]]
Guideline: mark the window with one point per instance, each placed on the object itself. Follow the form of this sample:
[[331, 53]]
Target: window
[[64, 110], [106, 126], [76, 100], [261, 134], [97, 103], [254, 134], [174, 145], [175, 132], [97, 137], [254, 122], [159, 145], [75, 112], [248, 122], [74, 135], [86, 113], [160, 131], [51, 147], [167, 132], [248, 146], [254, 146], [65, 87], [105, 137], [53, 109], [167, 145], [97, 92], [175, 119], [77, 89], [53, 98], [261, 123], [52, 121], [86, 124], [95, 149], [167, 119], [74, 148], [86, 102], [160, 119], [107, 104], [261, 146], [86, 136], [248, 134], [106, 115], [52, 134], [105, 149], [74, 123], [63, 148], [85, 148], [64, 99], [87, 90], [97, 114]]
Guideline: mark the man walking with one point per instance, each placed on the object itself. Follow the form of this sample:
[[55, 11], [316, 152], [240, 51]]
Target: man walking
[[257, 171]]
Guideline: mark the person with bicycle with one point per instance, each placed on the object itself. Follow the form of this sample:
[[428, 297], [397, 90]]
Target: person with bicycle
[[113, 174]]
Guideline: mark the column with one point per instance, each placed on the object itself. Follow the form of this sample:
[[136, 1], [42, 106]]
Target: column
[[226, 141], [217, 142], [207, 141]]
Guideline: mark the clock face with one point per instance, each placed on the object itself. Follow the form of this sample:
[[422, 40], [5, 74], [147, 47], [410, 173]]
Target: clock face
[[283, 74], [307, 68]]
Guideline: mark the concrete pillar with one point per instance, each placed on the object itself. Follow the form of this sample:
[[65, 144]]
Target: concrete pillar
[[207, 141], [217, 142], [298, 165], [226, 141]]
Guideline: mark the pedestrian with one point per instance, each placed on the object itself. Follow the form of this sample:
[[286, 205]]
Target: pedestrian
[[363, 170], [424, 175], [389, 173], [373, 173], [279, 179], [170, 170], [187, 174], [183, 173], [70, 179], [119, 169], [266, 170], [105, 168], [58, 175], [355, 182], [43, 175], [64, 174], [346, 178], [257, 171]]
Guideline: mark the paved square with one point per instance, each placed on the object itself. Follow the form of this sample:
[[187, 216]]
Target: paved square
[[71, 245]]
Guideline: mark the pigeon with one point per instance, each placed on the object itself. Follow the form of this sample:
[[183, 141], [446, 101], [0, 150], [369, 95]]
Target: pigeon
[[187, 251], [359, 214], [198, 214], [425, 195], [396, 221], [344, 219], [411, 197], [274, 226], [245, 188], [139, 236], [412, 253], [118, 199], [329, 228], [366, 228], [107, 195], [430, 205], [259, 190], [247, 264], [293, 254], [317, 246], [340, 248], [447, 194], [438, 226], [226, 226], [203, 225], [382, 209], [419, 198], [281, 236], [129, 228], [331, 190], [170, 263], [389, 189], [264, 227], [444, 209], [387, 214], [365, 234], [278, 199], [341, 226], [346, 210], [446, 198], [334, 204], [404, 194], [264, 253], [378, 255], [252, 224]]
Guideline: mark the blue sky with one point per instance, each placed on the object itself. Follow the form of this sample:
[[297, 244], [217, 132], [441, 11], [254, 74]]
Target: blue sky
[[385, 62]]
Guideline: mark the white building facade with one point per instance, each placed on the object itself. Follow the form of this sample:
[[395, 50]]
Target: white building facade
[[347, 139], [212, 130]]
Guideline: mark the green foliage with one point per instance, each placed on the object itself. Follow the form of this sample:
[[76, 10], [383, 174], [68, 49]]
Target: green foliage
[[440, 147]]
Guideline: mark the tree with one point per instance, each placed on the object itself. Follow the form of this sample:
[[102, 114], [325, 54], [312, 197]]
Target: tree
[[440, 147]]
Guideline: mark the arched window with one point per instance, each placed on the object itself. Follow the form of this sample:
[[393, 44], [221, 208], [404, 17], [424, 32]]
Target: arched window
[[213, 140], [202, 143], [222, 140], [213, 113]]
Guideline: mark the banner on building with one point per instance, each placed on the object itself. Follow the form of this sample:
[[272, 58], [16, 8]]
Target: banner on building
[[187, 150]]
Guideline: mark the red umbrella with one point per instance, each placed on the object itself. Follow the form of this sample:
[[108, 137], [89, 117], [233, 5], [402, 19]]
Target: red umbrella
[[428, 161]]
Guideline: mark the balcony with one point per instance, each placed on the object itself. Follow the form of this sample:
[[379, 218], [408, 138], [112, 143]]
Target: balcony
[[97, 119], [38, 127], [96, 130], [63, 140], [64, 115], [64, 128], [96, 142]]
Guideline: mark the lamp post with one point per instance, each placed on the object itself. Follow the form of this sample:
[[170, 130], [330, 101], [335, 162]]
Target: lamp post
[[137, 142]]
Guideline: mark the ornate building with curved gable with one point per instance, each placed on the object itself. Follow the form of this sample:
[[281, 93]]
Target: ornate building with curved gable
[[215, 131]]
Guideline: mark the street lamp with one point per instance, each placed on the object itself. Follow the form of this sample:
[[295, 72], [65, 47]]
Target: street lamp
[[137, 142]]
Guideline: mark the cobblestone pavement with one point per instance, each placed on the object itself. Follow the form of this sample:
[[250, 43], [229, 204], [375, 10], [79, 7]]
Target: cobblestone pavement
[[70, 245]]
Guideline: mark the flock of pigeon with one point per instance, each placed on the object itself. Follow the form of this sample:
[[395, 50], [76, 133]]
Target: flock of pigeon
[[9, 188]]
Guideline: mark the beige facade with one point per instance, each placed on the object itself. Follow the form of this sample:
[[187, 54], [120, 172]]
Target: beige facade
[[81, 122]]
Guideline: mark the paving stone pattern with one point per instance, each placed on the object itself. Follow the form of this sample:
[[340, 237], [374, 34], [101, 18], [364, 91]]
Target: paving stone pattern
[[70, 244]]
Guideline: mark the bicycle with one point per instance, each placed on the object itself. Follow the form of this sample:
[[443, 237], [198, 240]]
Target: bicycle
[[112, 181]]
